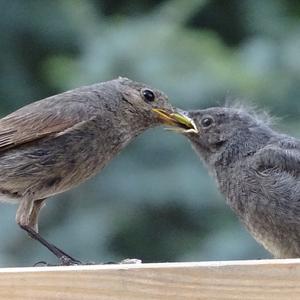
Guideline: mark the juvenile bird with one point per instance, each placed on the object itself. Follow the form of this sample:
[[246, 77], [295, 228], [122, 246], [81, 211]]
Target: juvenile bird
[[55, 144], [258, 171]]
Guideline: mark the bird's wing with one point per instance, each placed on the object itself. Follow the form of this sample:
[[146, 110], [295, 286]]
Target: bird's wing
[[43, 118], [287, 160], [288, 143]]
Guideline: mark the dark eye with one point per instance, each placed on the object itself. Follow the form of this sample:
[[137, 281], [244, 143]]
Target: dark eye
[[148, 95], [206, 122]]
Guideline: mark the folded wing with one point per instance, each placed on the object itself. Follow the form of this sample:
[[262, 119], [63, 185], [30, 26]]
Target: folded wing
[[44, 118]]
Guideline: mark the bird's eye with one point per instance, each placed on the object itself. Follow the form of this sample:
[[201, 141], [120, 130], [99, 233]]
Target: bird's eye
[[148, 95], [206, 122]]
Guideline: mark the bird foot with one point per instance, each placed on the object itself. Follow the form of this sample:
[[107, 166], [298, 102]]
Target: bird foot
[[67, 261], [64, 261]]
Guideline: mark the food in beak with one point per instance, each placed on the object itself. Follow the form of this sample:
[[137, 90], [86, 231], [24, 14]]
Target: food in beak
[[177, 121]]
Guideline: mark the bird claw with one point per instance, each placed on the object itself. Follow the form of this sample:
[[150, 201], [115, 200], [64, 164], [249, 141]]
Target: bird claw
[[63, 261], [42, 264], [68, 261]]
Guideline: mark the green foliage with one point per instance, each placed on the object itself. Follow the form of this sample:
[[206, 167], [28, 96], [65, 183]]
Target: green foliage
[[155, 201]]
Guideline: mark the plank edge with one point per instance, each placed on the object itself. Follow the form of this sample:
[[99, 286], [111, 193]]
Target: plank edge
[[204, 264]]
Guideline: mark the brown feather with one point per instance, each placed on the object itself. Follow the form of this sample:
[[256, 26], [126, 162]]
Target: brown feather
[[39, 120]]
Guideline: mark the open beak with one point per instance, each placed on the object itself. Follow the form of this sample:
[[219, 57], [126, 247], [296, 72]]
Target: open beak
[[177, 121]]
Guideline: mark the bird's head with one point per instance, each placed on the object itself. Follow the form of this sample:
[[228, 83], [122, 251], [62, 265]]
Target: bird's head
[[151, 105], [234, 130]]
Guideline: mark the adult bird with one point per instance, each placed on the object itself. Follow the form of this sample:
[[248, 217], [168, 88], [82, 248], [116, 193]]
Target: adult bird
[[54, 144], [257, 170]]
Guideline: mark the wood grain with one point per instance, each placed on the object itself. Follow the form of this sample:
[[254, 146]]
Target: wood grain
[[255, 280]]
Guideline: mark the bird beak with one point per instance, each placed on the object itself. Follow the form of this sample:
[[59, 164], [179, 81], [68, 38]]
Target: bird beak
[[176, 120]]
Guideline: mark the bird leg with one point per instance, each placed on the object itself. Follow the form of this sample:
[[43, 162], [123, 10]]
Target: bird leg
[[33, 219], [27, 216], [64, 258]]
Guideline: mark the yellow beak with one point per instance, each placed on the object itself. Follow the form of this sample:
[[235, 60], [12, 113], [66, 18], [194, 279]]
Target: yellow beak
[[177, 121]]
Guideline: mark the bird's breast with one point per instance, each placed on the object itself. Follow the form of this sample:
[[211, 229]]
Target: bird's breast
[[56, 164]]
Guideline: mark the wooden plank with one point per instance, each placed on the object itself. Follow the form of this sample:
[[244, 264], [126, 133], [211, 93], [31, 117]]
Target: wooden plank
[[255, 280]]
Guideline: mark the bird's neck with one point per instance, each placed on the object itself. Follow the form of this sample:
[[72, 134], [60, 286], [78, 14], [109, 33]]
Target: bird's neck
[[119, 126], [133, 120]]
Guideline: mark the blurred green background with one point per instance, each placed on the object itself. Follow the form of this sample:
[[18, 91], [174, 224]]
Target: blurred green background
[[155, 201]]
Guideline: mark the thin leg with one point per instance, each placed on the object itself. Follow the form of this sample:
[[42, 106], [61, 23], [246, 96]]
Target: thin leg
[[64, 258], [27, 216]]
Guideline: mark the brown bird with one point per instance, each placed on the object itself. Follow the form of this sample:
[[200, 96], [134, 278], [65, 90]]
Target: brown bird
[[54, 144]]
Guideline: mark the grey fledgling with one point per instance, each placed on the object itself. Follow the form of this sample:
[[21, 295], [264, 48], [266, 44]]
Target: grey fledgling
[[257, 170], [55, 144]]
